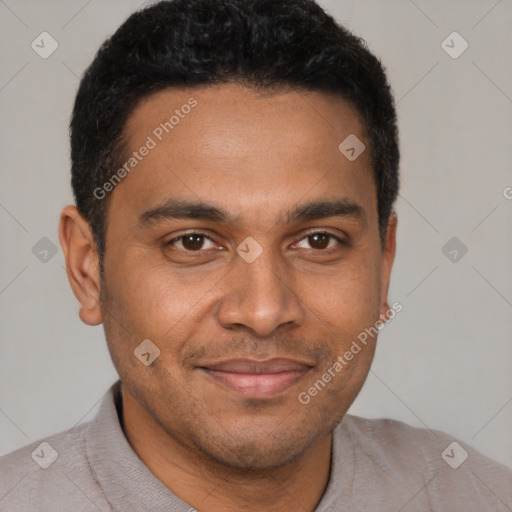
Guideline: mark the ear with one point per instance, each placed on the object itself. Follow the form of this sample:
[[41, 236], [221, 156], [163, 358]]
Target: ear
[[82, 263], [388, 256]]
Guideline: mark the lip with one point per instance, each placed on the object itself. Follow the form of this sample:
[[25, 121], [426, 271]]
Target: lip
[[257, 379]]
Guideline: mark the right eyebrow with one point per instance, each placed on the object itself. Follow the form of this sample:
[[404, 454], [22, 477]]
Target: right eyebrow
[[182, 209]]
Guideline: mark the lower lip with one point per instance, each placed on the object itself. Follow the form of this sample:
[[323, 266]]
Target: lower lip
[[266, 385]]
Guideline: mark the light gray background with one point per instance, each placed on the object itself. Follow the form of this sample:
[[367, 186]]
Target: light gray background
[[443, 362]]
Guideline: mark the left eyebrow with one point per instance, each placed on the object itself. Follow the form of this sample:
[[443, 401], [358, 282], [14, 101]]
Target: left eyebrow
[[315, 210]]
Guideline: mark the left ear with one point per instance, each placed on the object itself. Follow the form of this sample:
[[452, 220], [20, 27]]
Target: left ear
[[388, 256]]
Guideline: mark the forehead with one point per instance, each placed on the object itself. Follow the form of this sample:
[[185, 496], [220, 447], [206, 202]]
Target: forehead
[[249, 151], [226, 116]]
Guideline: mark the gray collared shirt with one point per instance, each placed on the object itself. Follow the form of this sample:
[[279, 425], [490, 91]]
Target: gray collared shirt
[[377, 465]]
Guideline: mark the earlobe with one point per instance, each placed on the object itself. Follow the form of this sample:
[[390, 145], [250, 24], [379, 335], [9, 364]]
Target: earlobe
[[82, 263]]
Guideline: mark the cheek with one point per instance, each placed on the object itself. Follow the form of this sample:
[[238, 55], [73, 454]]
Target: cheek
[[346, 299], [155, 300]]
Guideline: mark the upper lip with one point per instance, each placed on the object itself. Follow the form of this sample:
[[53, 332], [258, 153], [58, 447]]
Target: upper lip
[[255, 366]]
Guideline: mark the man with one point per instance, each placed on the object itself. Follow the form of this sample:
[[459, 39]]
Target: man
[[235, 165]]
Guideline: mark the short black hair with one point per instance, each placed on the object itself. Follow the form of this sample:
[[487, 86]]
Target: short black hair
[[262, 44]]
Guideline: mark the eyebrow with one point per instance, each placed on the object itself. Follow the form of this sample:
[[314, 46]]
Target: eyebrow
[[183, 209]]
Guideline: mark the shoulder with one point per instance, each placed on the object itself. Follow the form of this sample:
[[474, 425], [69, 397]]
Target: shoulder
[[392, 441], [432, 463], [53, 473]]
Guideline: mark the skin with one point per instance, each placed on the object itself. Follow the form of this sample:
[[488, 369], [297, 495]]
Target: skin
[[257, 156]]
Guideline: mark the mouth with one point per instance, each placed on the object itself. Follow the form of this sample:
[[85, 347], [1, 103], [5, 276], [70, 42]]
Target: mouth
[[257, 379]]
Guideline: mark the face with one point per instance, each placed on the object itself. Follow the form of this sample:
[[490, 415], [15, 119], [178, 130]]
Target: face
[[246, 247]]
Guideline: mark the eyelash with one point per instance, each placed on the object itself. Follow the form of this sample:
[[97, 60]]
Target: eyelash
[[340, 241]]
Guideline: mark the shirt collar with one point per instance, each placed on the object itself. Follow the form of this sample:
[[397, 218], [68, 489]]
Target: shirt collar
[[126, 481], [129, 485]]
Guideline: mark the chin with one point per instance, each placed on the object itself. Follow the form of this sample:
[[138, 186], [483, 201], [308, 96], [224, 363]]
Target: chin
[[267, 453]]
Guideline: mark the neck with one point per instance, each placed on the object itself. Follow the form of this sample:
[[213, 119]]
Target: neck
[[206, 485]]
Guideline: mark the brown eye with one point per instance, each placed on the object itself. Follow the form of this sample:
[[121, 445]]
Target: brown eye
[[321, 241], [191, 242]]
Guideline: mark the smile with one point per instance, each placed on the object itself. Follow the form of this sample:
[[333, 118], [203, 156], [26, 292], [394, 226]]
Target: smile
[[257, 379]]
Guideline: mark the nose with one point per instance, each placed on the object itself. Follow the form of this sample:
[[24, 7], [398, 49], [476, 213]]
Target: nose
[[259, 297]]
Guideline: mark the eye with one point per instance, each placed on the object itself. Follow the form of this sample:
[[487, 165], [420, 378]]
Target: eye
[[191, 242], [321, 241]]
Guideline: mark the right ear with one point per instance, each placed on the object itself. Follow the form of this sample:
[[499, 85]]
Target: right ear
[[82, 263]]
